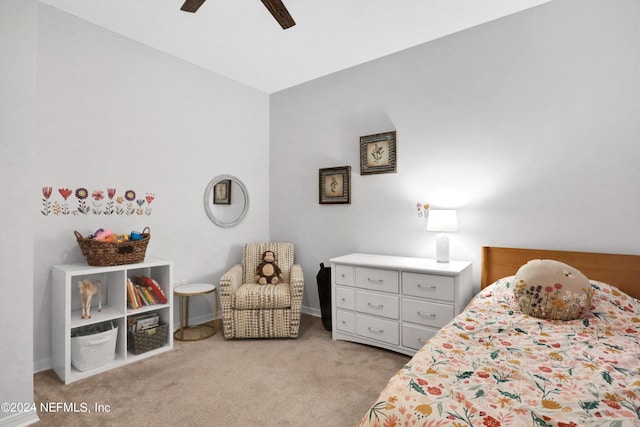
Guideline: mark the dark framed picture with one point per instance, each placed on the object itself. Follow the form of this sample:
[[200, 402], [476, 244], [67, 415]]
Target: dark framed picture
[[335, 185], [222, 192], [378, 153]]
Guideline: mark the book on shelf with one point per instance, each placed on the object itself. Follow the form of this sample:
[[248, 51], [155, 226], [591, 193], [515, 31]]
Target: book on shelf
[[141, 294], [136, 294], [147, 296], [154, 287], [131, 297], [143, 322], [143, 291]]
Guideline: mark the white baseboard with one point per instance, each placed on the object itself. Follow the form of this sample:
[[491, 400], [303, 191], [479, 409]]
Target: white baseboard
[[42, 365], [312, 311], [195, 321], [20, 419], [45, 364]]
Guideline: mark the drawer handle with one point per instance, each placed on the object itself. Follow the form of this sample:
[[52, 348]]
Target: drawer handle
[[379, 306], [422, 340], [430, 315], [427, 287], [342, 275], [378, 281], [377, 331], [343, 299]]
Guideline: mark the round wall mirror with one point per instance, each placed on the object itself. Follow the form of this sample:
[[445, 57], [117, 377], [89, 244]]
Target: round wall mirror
[[226, 200]]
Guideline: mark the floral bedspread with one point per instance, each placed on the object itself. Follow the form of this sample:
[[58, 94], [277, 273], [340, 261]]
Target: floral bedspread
[[494, 366]]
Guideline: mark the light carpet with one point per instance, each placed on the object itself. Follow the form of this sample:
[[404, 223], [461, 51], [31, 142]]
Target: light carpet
[[309, 381]]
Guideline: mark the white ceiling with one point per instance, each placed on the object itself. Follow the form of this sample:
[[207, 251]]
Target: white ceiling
[[240, 39]]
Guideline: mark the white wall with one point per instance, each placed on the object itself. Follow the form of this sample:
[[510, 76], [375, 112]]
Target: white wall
[[113, 113], [17, 135], [527, 125]]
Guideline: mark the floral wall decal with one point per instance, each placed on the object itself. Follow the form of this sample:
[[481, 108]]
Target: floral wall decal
[[149, 198], [46, 203], [81, 195], [111, 193], [97, 196], [98, 202], [422, 209], [64, 207]]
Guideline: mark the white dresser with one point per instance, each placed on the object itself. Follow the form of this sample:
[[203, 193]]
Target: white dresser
[[396, 303]]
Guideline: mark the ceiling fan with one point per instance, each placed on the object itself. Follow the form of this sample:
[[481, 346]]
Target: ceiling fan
[[275, 7]]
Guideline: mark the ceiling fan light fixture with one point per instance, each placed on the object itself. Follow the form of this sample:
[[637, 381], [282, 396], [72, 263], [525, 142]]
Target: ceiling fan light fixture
[[191, 5], [275, 7], [280, 13]]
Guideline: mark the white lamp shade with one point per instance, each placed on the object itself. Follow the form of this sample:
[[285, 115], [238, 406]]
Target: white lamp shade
[[442, 220]]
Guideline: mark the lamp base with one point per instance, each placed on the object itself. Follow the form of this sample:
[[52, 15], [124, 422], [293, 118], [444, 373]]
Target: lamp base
[[442, 247]]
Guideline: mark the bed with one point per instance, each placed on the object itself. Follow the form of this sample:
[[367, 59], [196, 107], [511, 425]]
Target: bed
[[493, 365]]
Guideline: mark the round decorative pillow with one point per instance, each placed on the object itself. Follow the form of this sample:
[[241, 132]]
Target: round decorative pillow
[[550, 289]]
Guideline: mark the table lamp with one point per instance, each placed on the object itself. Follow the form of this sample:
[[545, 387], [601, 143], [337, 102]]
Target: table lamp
[[442, 221]]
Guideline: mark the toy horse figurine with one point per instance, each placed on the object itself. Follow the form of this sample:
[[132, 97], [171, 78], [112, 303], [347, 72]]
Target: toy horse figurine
[[87, 290]]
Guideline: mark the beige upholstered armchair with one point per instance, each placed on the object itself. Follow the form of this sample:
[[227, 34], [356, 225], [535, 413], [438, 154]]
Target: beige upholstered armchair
[[250, 310]]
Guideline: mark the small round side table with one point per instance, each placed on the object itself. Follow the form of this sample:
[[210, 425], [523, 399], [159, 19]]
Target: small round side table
[[200, 331]]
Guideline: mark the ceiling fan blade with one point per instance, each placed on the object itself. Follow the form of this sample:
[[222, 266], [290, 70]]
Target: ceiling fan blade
[[280, 12], [191, 5]]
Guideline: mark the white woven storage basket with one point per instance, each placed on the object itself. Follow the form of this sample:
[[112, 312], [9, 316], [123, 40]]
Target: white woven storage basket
[[92, 351]]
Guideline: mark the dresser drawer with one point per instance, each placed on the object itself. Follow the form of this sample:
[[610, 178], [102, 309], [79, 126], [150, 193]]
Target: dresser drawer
[[378, 304], [426, 313], [377, 279], [428, 286], [346, 321], [344, 275], [377, 329], [344, 298], [416, 336]]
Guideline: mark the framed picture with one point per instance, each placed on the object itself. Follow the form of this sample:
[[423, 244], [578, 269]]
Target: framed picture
[[378, 153], [222, 192], [335, 185]]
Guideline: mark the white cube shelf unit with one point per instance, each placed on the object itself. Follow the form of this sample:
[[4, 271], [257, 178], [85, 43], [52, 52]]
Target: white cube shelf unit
[[66, 310]]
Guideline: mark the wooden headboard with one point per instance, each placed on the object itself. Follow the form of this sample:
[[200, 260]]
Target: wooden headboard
[[621, 271]]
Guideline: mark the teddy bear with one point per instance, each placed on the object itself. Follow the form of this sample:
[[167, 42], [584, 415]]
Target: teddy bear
[[268, 271]]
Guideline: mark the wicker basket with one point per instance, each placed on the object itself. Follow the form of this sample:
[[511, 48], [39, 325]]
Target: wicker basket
[[99, 253], [95, 350], [147, 340]]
